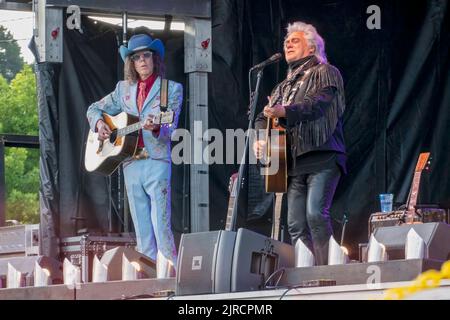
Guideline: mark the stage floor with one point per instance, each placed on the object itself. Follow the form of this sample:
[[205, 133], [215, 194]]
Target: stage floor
[[344, 292], [145, 289]]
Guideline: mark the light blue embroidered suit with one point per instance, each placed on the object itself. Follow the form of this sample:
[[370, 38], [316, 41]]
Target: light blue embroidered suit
[[147, 181]]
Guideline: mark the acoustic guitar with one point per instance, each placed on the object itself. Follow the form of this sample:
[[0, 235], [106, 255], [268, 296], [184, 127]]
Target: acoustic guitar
[[275, 151], [105, 156]]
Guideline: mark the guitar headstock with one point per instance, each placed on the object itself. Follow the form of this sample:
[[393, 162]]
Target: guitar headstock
[[423, 162], [232, 184]]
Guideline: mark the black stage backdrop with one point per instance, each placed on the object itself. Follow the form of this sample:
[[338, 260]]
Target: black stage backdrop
[[397, 83]]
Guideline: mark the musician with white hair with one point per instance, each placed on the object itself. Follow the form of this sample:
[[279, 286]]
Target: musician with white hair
[[309, 104]]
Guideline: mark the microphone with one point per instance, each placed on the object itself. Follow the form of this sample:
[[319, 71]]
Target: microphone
[[275, 58]]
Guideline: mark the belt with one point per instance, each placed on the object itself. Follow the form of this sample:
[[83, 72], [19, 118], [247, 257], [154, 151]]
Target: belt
[[140, 154]]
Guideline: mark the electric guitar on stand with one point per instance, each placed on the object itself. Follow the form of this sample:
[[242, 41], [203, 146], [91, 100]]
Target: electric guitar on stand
[[232, 186], [422, 164]]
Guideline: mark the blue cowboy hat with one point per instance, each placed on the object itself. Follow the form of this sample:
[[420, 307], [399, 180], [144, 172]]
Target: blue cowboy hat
[[141, 42]]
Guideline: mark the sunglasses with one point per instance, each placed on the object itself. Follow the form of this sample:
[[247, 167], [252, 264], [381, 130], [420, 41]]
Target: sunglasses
[[137, 56]]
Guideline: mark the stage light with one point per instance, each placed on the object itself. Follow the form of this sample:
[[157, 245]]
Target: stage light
[[336, 253], [99, 271], [415, 246], [164, 267], [131, 270], [15, 278], [377, 251], [126, 262], [42, 276], [71, 273], [303, 256]]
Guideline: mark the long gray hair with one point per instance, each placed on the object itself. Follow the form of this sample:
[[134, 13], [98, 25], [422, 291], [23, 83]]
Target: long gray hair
[[313, 39]]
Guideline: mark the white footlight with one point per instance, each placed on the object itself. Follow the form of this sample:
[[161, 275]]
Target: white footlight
[[15, 278], [41, 276], [377, 251], [303, 256], [131, 270], [336, 253], [71, 273], [99, 271], [415, 246], [164, 267]]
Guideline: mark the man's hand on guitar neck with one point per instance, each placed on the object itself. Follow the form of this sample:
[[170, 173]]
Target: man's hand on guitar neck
[[103, 130]]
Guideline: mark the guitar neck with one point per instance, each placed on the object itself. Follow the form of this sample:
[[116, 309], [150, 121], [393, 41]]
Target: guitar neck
[[414, 191], [411, 213], [232, 188], [129, 129], [412, 201], [276, 216], [229, 221]]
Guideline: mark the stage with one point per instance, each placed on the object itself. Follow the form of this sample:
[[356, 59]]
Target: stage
[[148, 289]]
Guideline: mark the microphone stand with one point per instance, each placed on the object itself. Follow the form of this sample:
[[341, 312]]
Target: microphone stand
[[241, 180]]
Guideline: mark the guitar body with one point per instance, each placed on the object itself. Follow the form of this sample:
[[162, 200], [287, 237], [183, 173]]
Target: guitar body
[[276, 149], [105, 156]]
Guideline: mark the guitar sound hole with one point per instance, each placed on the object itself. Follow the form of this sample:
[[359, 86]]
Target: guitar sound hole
[[113, 136]]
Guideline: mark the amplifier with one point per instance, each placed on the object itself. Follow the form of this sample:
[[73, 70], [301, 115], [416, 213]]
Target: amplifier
[[80, 250], [430, 214], [385, 219], [396, 218]]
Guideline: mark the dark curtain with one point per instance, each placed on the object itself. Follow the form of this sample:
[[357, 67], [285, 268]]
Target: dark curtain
[[397, 92], [397, 86], [47, 90]]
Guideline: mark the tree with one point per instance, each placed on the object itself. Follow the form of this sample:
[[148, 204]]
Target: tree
[[19, 115], [11, 61], [19, 112]]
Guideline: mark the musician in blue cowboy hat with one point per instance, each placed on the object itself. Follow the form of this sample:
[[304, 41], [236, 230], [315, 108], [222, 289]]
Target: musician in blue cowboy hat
[[147, 173]]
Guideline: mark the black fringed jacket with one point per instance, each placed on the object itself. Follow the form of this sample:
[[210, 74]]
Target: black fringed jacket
[[313, 97]]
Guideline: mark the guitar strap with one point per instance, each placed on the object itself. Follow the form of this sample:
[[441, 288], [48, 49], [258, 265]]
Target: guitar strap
[[164, 94]]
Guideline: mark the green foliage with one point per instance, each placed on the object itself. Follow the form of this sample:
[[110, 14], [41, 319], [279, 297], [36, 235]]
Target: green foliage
[[10, 60], [23, 207], [18, 108], [19, 115]]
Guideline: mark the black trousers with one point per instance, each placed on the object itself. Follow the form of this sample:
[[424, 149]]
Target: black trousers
[[309, 199]]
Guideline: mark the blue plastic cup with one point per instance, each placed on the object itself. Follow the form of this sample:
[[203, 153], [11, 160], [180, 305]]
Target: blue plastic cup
[[386, 200]]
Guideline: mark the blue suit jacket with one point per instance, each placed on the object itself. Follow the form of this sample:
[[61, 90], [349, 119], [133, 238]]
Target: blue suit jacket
[[123, 98]]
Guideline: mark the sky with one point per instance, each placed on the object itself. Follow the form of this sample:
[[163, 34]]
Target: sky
[[20, 24]]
